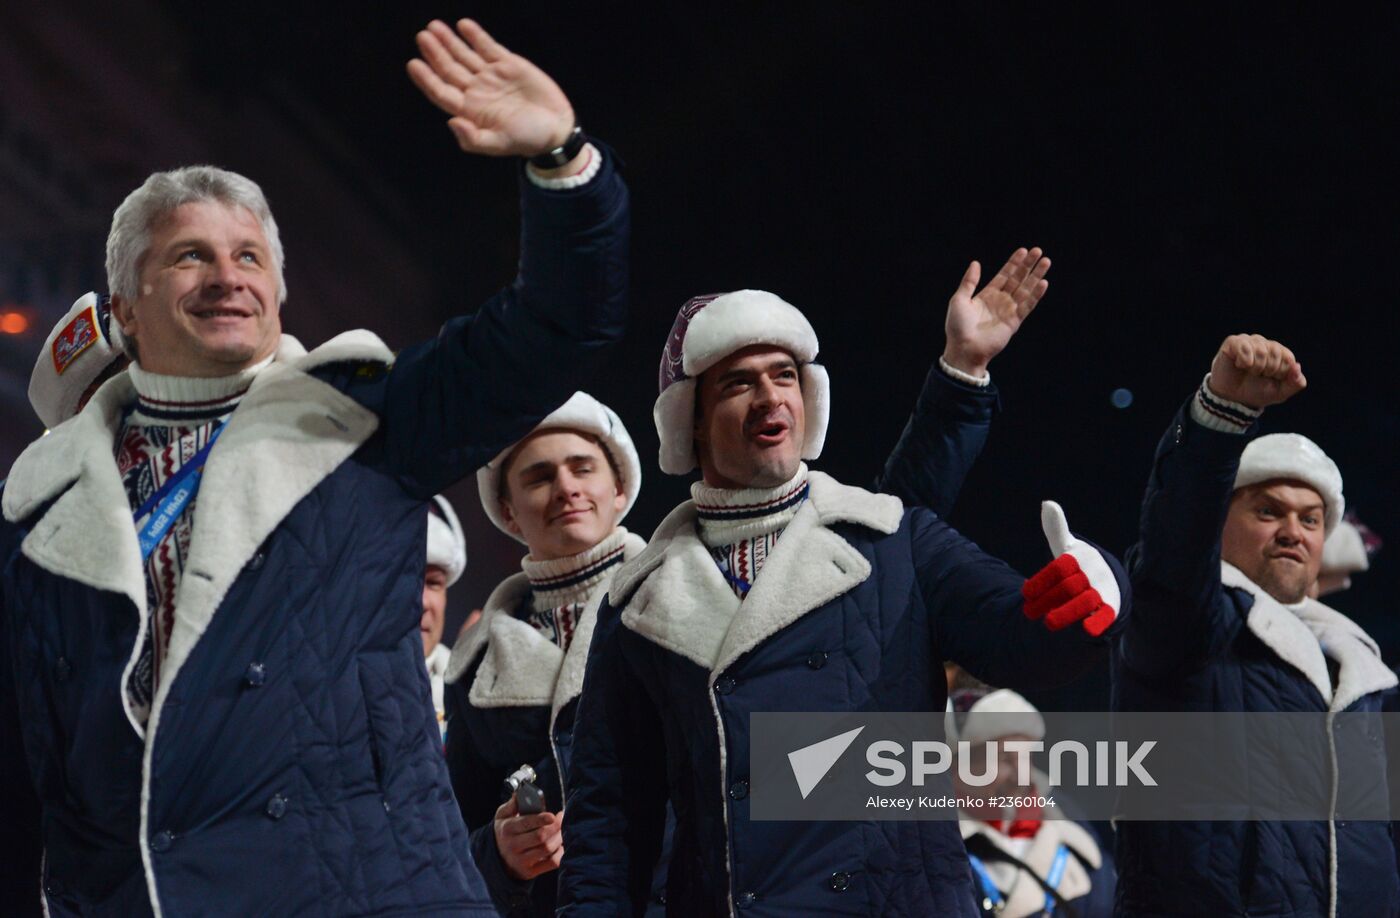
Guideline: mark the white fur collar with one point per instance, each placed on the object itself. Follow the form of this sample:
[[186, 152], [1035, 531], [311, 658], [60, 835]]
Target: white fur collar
[[1298, 636], [288, 433], [1024, 895], [674, 595], [521, 667]]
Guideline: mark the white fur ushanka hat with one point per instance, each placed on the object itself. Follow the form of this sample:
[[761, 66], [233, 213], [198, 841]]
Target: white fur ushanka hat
[[1294, 456], [581, 412], [708, 329], [83, 344], [447, 544]]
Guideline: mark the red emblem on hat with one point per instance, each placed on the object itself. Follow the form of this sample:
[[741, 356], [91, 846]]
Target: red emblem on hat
[[76, 337]]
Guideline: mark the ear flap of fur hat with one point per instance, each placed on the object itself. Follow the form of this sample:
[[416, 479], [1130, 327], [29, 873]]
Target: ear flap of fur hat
[[83, 344], [584, 413], [447, 544], [708, 329], [1294, 456]]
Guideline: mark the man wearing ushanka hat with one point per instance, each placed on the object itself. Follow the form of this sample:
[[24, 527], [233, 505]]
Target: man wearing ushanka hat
[[776, 588], [1231, 542], [515, 676]]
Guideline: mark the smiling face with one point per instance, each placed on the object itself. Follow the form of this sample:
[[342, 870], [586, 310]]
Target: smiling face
[[750, 420], [562, 494], [434, 607], [1273, 534], [207, 302]]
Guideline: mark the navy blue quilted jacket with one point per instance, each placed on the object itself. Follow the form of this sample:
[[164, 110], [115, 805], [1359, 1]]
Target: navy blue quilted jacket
[[291, 763], [856, 610], [1203, 638]]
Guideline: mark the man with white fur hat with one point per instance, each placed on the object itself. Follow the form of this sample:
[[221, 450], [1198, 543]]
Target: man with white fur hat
[[83, 351], [1231, 541], [1033, 859], [777, 588], [447, 559], [514, 677]]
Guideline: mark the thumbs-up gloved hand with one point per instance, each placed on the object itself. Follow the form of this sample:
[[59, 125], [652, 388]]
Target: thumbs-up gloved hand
[[1078, 586]]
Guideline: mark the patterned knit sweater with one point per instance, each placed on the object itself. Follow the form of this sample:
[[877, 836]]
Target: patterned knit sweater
[[173, 419], [741, 527], [559, 588]]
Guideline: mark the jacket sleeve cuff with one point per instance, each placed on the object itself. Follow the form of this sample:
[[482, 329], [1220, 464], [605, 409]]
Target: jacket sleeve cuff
[[1216, 413], [507, 893], [980, 381], [564, 182]]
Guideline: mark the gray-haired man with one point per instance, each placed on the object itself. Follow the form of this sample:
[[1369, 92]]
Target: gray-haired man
[[216, 690]]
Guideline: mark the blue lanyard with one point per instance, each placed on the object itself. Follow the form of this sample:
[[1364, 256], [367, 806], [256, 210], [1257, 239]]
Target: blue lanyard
[[1054, 876], [171, 498], [991, 896], [743, 585]]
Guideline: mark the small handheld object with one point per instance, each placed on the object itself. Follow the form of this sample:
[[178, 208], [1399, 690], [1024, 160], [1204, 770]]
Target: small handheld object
[[520, 783]]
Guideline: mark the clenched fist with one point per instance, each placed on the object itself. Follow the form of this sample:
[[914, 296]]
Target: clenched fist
[[1255, 371]]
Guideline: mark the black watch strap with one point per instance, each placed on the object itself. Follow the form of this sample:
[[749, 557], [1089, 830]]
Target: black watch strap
[[562, 154]]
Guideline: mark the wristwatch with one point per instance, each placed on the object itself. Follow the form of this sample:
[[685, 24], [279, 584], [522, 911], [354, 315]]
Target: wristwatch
[[562, 154]]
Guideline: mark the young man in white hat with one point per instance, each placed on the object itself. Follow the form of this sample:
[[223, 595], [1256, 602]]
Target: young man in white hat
[[1231, 541], [514, 677], [777, 588], [211, 666], [1031, 859]]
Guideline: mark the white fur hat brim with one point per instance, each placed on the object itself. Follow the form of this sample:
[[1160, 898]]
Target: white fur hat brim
[[1294, 457], [741, 319], [723, 325], [1344, 552], [77, 350], [582, 412], [447, 544], [1010, 715]]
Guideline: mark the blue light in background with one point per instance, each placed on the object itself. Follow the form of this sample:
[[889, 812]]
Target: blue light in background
[[1121, 398]]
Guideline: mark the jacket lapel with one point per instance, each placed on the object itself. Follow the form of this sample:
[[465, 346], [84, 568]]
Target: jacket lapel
[[675, 595], [570, 682], [1281, 631], [1361, 670], [88, 534]]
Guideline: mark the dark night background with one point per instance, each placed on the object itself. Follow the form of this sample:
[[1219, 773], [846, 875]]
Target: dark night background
[[1192, 173]]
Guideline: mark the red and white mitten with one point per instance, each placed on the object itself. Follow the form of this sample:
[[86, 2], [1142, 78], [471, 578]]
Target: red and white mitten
[[1078, 586]]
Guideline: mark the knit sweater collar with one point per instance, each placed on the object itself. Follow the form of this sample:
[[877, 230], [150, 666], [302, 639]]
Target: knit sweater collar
[[564, 581], [726, 515], [182, 401]]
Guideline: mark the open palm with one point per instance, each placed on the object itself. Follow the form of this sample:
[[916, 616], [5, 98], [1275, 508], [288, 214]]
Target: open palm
[[500, 103], [981, 323]]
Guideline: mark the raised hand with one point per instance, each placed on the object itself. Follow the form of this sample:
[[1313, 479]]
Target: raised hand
[[1255, 371], [980, 323], [1078, 586], [500, 103]]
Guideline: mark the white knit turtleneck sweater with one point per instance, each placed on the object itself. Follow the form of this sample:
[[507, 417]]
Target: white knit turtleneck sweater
[[742, 526], [559, 588]]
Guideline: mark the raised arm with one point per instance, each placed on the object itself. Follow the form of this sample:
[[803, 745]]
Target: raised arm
[[1180, 612], [450, 404], [953, 415]]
